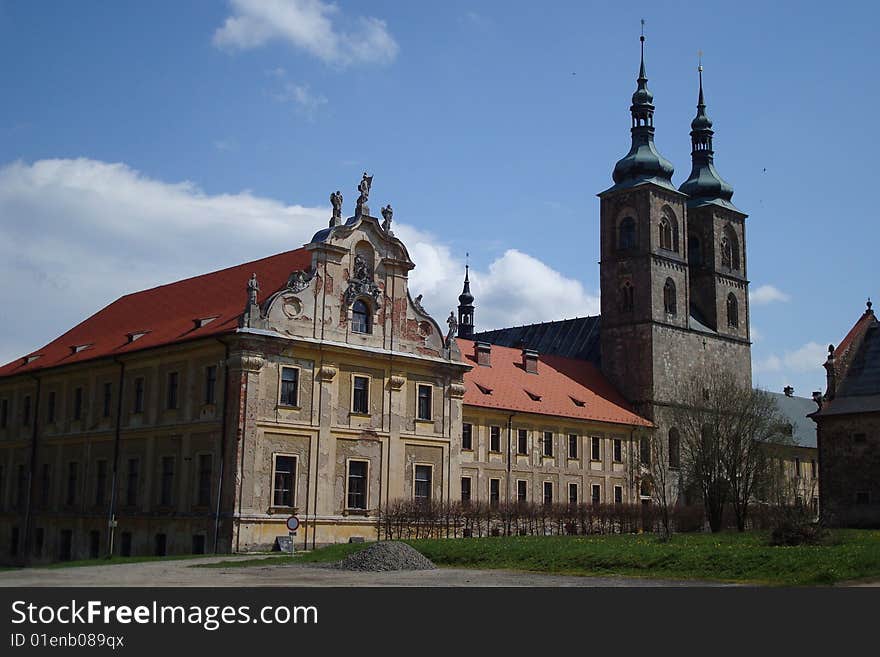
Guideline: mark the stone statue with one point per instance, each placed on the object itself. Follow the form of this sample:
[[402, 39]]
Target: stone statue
[[336, 202], [253, 289], [361, 269], [387, 213], [453, 328], [364, 189]]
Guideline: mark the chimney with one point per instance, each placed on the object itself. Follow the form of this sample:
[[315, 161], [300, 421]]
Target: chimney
[[530, 361], [484, 353], [789, 391]]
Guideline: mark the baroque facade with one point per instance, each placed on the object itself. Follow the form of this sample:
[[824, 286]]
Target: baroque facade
[[197, 416]]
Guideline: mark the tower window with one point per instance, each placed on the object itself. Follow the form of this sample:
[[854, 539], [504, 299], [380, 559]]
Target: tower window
[[665, 234], [730, 249], [360, 318], [732, 311], [669, 302], [726, 253], [627, 297], [626, 237]]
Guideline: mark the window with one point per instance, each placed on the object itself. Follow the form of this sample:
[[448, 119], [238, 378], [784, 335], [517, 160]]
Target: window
[[72, 475], [617, 447], [494, 492], [494, 439], [22, 487], [172, 391], [645, 451], [522, 442], [797, 468], [596, 448], [814, 470], [289, 386], [161, 545], [108, 396], [467, 437], [573, 494], [665, 234], [206, 467], [548, 443], [357, 485], [94, 544], [125, 544], [360, 402], [859, 438], [13, 542], [65, 545], [596, 494], [131, 484], [285, 478], [465, 490], [100, 482], [726, 252], [45, 485], [548, 492], [198, 544], [670, 305], [77, 404], [627, 297], [730, 249], [422, 483], [424, 401], [863, 497], [618, 494], [732, 311], [138, 405], [674, 449], [167, 481], [522, 488], [39, 541], [50, 407], [360, 318], [211, 384], [26, 411], [572, 446], [626, 236], [4, 412]]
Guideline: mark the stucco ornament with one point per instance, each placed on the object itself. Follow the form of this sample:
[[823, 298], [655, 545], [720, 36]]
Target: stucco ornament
[[361, 283], [299, 281]]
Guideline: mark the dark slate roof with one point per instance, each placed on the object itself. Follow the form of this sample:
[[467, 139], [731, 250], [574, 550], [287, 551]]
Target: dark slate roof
[[796, 409], [570, 338], [859, 389]]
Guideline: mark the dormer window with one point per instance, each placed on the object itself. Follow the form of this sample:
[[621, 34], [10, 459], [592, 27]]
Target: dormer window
[[79, 347], [361, 320], [533, 396], [578, 402], [135, 335], [484, 389], [203, 321]]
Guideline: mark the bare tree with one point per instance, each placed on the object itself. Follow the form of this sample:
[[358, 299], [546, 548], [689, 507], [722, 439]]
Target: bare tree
[[661, 472], [725, 429]]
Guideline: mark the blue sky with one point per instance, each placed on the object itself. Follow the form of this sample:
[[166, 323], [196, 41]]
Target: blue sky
[[143, 142]]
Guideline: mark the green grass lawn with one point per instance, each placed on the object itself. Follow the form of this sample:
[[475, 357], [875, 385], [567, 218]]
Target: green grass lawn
[[728, 557]]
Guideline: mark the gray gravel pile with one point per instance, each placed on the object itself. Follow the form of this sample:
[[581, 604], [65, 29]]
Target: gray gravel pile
[[385, 555]]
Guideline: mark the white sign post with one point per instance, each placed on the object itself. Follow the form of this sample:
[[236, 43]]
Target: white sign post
[[292, 526]]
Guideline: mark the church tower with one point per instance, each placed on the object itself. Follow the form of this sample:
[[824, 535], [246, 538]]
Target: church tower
[[672, 270], [715, 239], [466, 308]]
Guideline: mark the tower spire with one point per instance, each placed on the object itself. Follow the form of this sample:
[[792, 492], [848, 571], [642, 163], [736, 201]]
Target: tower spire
[[704, 185], [643, 163], [466, 304]]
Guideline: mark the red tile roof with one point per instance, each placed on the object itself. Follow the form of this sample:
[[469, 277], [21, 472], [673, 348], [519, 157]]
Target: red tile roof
[[561, 384], [167, 313], [857, 331]]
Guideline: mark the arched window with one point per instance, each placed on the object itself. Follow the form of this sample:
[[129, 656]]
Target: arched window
[[627, 297], [674, 448], [626, 237], [669, 303], [695, 252], [732, 311], [361, 321], [730, 249], [665, 234]]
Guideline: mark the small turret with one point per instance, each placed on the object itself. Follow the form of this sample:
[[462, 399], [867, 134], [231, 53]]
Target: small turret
[[466, 308]]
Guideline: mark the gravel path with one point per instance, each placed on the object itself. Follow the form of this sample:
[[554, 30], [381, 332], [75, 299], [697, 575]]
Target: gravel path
[[182, 573]]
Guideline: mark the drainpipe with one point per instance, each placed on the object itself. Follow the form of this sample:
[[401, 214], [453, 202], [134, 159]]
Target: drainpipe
[[223, 423], [28, 510], [111, 518]]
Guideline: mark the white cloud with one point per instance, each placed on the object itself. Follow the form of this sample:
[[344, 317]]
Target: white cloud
[[311, 25], [302, 96], [767, 294], [78, 234], [805, 359]]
